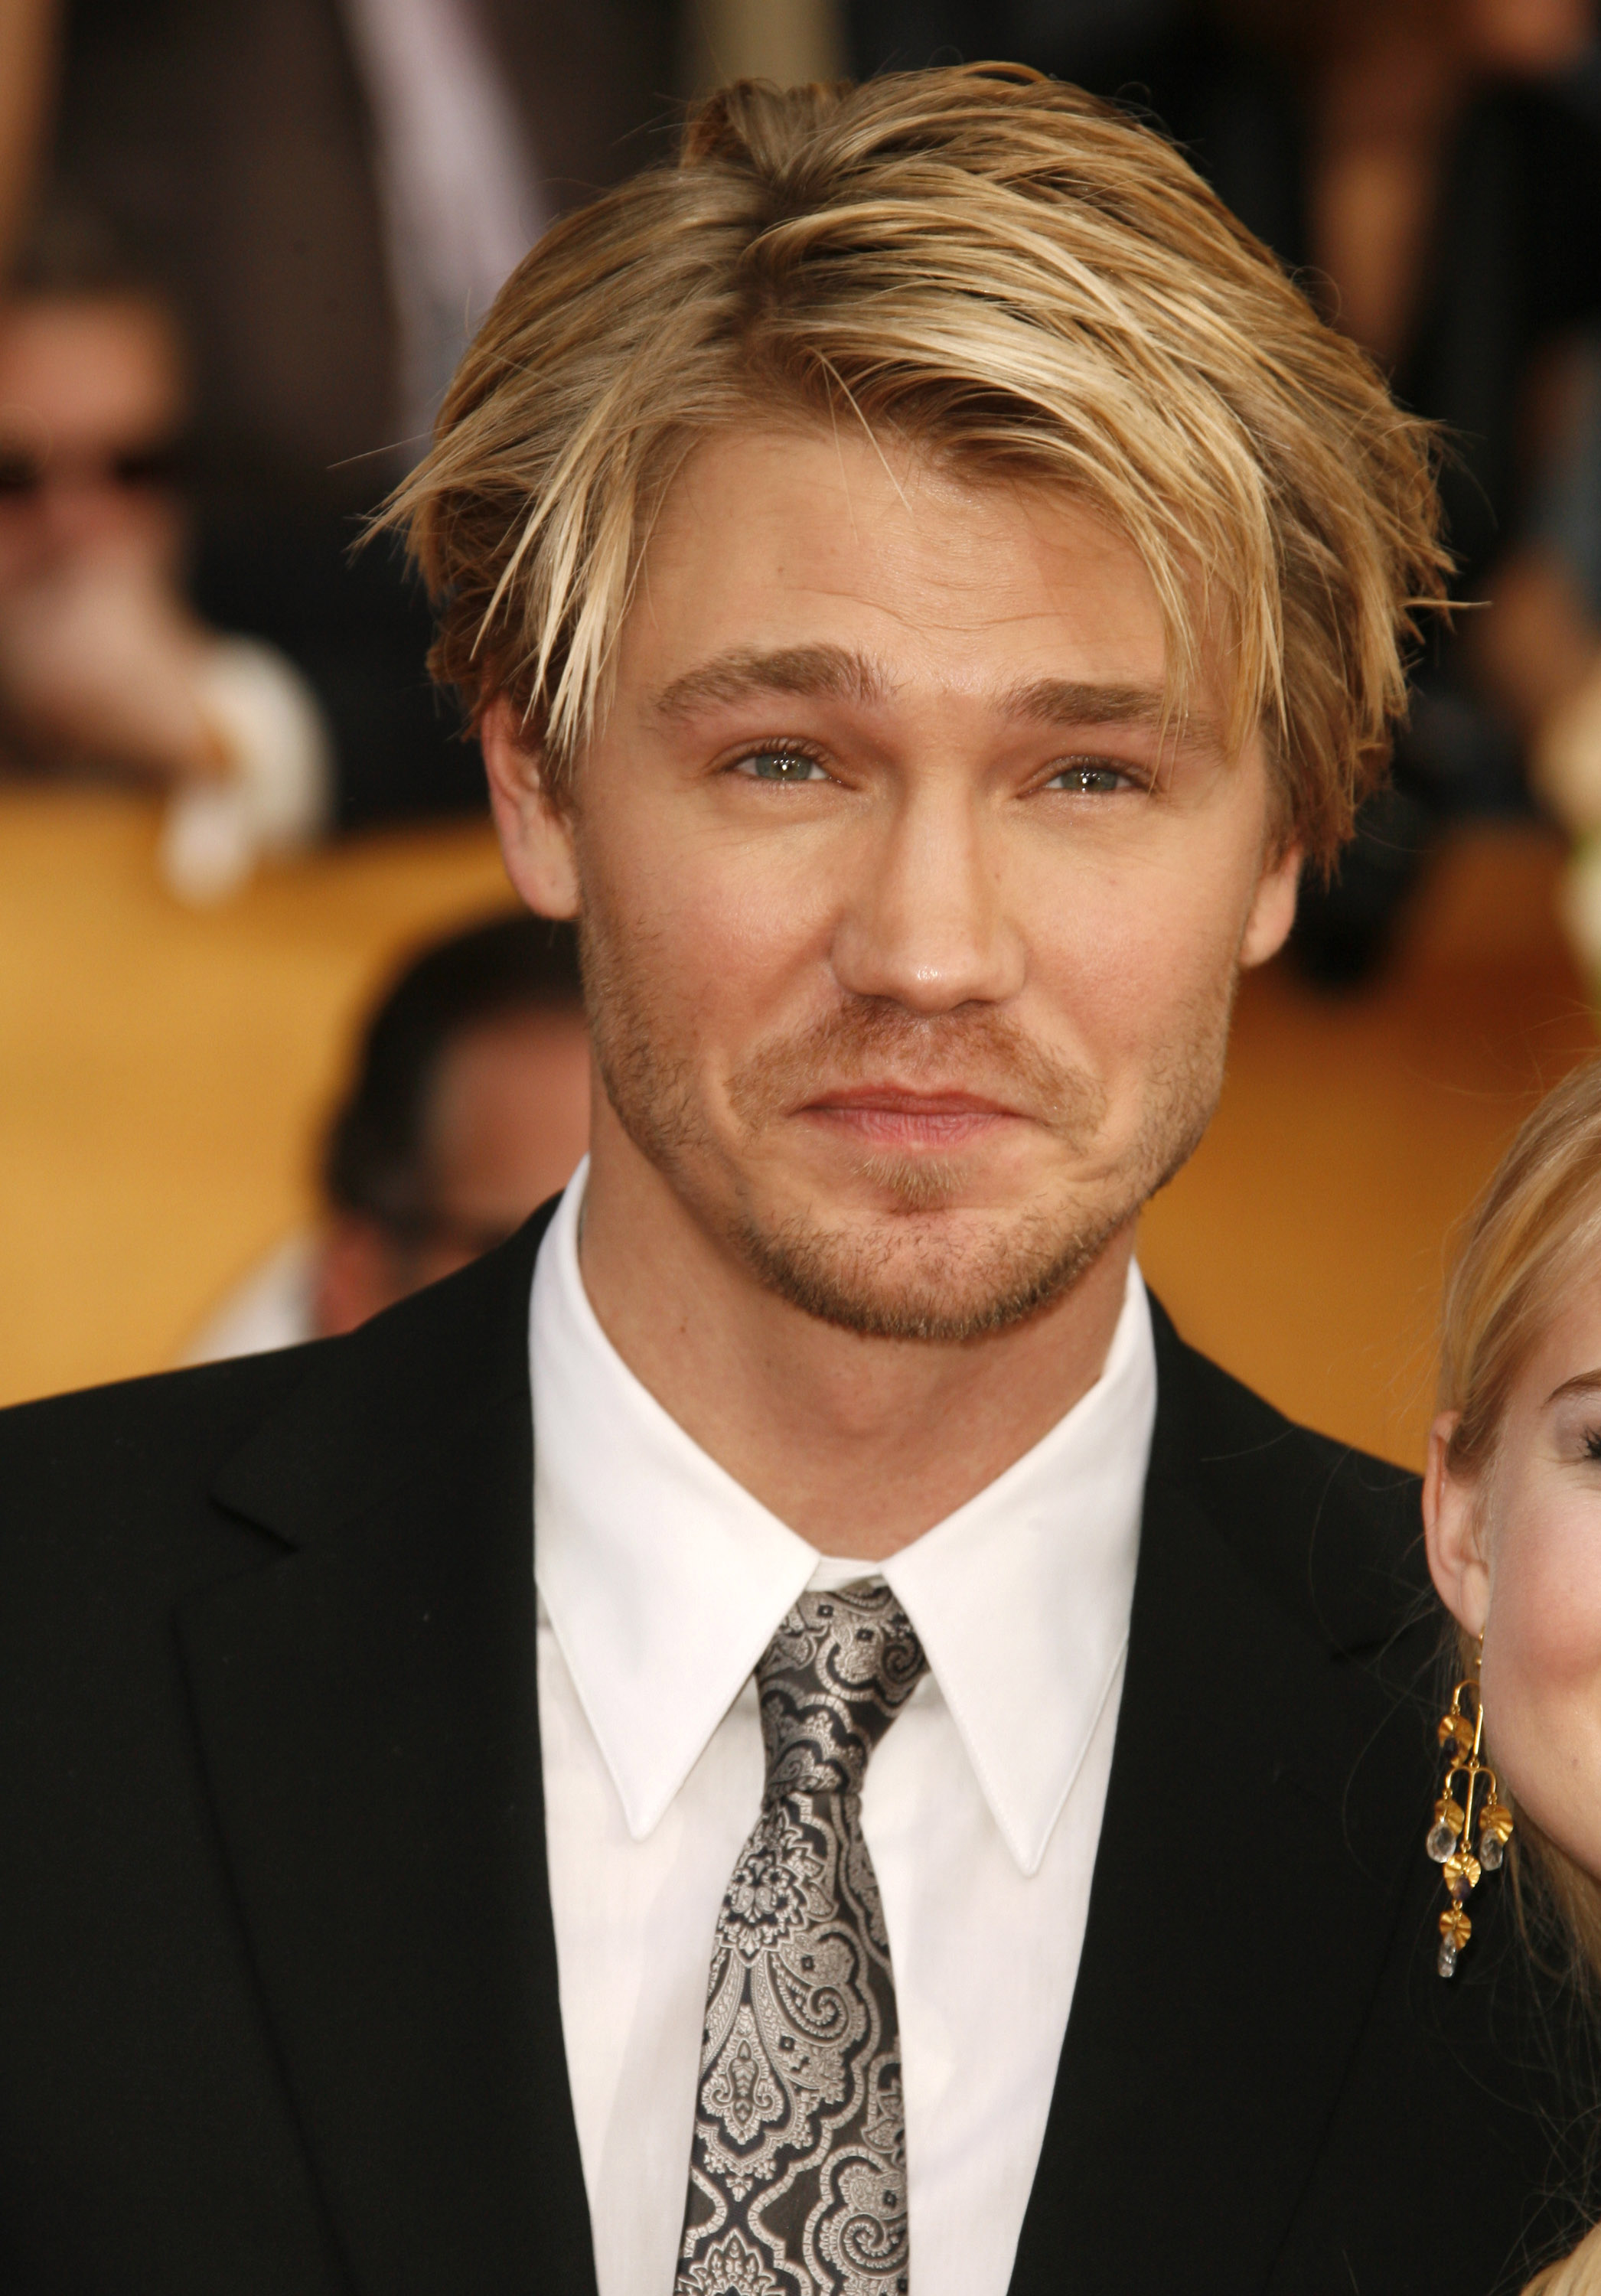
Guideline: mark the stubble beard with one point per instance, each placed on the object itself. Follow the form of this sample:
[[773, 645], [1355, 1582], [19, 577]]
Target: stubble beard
[[912, 1268]]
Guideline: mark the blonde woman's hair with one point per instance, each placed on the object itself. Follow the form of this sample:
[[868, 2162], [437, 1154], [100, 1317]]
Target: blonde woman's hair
[[1536, 1229], [1537, 1225], [993, 268], [1578, 2275]]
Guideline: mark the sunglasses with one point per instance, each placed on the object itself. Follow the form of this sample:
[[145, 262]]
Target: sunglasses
[[24, 475]]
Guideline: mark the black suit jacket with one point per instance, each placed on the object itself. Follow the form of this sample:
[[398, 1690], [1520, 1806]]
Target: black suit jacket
[[278, 2002]]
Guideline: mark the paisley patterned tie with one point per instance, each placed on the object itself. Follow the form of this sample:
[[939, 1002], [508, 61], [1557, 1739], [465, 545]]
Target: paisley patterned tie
[[797, 2175]]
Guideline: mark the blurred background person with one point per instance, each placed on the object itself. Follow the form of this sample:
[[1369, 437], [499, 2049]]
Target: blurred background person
[[1540, 647], [468, 1104], [105, 663], [328, 194], [1436, 165]]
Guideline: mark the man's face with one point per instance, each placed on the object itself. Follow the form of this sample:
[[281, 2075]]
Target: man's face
[[91, 400], [910, 938], [507, 1120]]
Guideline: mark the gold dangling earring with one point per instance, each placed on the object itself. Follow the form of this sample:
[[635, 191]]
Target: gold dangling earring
[[1462, 1735]]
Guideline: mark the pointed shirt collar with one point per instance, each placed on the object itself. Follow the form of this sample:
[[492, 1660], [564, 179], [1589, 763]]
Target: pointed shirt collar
[[664, 1579]]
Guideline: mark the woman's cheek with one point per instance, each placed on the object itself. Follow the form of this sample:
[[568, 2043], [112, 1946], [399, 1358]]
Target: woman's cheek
[[1542, 1653]]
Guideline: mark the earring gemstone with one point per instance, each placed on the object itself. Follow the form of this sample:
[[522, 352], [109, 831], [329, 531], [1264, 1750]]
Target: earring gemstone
[[1495, 1832], [1453, 1842]]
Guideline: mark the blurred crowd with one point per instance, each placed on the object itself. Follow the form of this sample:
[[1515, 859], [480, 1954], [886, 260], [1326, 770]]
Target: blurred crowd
[[1431, 170], [248, 245], [244, 248], [247, 254]]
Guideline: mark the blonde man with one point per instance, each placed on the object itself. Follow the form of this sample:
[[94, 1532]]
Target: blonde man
[[782, 1735]]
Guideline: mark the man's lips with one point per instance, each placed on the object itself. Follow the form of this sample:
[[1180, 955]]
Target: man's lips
[[895, 1115]]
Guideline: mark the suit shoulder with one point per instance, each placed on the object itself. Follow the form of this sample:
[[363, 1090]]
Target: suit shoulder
[[1239, 1434], [1326, 1524], [140, 1438]]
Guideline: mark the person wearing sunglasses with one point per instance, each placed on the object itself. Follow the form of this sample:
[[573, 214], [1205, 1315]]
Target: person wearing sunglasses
[[104, 662]]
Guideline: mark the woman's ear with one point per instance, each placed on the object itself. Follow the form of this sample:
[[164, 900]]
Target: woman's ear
[[536, 834], [1452, 1532]]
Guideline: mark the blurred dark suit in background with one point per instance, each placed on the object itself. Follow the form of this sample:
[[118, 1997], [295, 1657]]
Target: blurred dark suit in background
[[1513, 256], [252, 154]]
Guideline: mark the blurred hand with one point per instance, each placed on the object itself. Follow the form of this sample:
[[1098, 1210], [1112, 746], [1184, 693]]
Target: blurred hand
[[101, 658]]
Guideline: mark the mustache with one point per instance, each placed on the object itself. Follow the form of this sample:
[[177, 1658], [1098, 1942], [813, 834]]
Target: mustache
[[976, 1048]]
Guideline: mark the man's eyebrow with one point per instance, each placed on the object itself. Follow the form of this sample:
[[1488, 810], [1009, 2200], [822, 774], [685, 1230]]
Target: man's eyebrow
[[1067, 702], [836, 673], [830, 671]]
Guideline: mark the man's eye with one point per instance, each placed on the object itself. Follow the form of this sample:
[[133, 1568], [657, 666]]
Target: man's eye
[[779, 766], [1090, 777]]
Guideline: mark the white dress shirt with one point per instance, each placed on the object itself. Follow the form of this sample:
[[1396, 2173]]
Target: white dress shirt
[[661, 1582]]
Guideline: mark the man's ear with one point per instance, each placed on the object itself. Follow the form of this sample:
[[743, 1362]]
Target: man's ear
[[536, 834], [1452, 1533], [1272, 907]]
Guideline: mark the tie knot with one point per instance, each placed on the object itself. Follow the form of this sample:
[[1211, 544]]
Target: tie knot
[[832, 1680]]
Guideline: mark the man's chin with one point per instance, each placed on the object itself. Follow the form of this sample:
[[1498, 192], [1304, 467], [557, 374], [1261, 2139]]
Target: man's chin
[[937, 1190], [941, 1271]]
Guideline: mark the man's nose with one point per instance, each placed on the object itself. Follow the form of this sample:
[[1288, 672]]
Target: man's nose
[[925, 923]]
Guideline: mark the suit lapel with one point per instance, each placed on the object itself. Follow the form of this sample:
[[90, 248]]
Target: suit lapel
[[368, 1713], [1242, 1902], [368, 1710]]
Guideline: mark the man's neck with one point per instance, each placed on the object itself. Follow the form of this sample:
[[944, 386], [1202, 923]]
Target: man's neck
[[858, 1444]]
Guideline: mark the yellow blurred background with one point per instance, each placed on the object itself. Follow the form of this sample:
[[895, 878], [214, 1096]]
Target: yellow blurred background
[[165, 1071]]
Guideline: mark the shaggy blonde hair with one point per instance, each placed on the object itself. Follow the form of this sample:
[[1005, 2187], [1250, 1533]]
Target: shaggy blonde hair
[[995, 269]]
